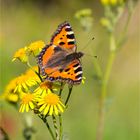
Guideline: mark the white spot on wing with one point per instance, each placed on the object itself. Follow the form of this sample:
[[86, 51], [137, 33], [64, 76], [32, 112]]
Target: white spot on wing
[[68, 27], [69, 33], [77, 67], [80, 72], [71, 40]]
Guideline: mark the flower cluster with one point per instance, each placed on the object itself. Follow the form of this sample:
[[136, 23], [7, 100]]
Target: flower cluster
[[29, 91], [23, 53]]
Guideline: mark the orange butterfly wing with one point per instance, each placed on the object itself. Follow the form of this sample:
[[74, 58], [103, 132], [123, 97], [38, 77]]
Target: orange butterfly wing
[[64, 37], [72, 74], [44, 57]]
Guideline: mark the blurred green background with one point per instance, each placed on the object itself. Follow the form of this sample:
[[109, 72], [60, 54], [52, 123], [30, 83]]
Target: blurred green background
[[25, 21]]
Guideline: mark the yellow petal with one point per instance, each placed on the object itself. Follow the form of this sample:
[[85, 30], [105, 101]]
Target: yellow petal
[[24, 86], [51, 110], [23, 108], [29, 83], [40, 103], [27, 107], [20, 109], [19, 88], [60, 107], [31, 105], [83, 81], [15, 89], [36, 90], [43, 92], [49, 91], [61, 104], [46, 109], [55, 110], [13, 59], [42, 107]]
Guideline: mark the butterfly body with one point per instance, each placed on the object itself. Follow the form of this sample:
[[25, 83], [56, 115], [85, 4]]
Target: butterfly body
[[59, 60], [75, 55]]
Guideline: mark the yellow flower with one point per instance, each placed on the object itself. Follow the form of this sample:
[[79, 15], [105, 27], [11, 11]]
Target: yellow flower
[[27, 102], [11, 86], [31, 73], [23, 82], [9, 94], [11, 97], [50, 104], [21, 55], [44, 87], [36, 47]]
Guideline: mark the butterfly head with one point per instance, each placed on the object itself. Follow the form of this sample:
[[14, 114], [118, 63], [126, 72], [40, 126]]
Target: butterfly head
[[79, 54]]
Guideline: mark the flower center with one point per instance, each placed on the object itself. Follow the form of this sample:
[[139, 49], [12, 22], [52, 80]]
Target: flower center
[[46, 85], [51, 99], [27, 98]]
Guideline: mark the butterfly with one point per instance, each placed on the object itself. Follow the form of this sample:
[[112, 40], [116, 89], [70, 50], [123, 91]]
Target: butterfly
[[59, 61]]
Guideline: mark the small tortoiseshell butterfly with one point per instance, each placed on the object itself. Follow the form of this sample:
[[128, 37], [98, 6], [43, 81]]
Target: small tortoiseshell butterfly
[[59, 60]]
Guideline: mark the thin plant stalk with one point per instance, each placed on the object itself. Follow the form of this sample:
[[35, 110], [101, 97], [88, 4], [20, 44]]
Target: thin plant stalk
[[102, 99], [60, 116], [48, 126], [61, 89], [56, 128], [69, 94], [60, 125], [50, 130]]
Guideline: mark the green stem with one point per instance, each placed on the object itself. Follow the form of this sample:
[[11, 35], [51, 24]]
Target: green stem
[[48, 126], [61, 128], [55, 127], [68, 97], [102, 99], [60, 117], [113, 47], [61, 89]]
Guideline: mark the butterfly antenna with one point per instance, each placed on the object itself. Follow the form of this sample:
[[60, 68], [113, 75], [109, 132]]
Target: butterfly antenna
[[87, 43], [95, 56]]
